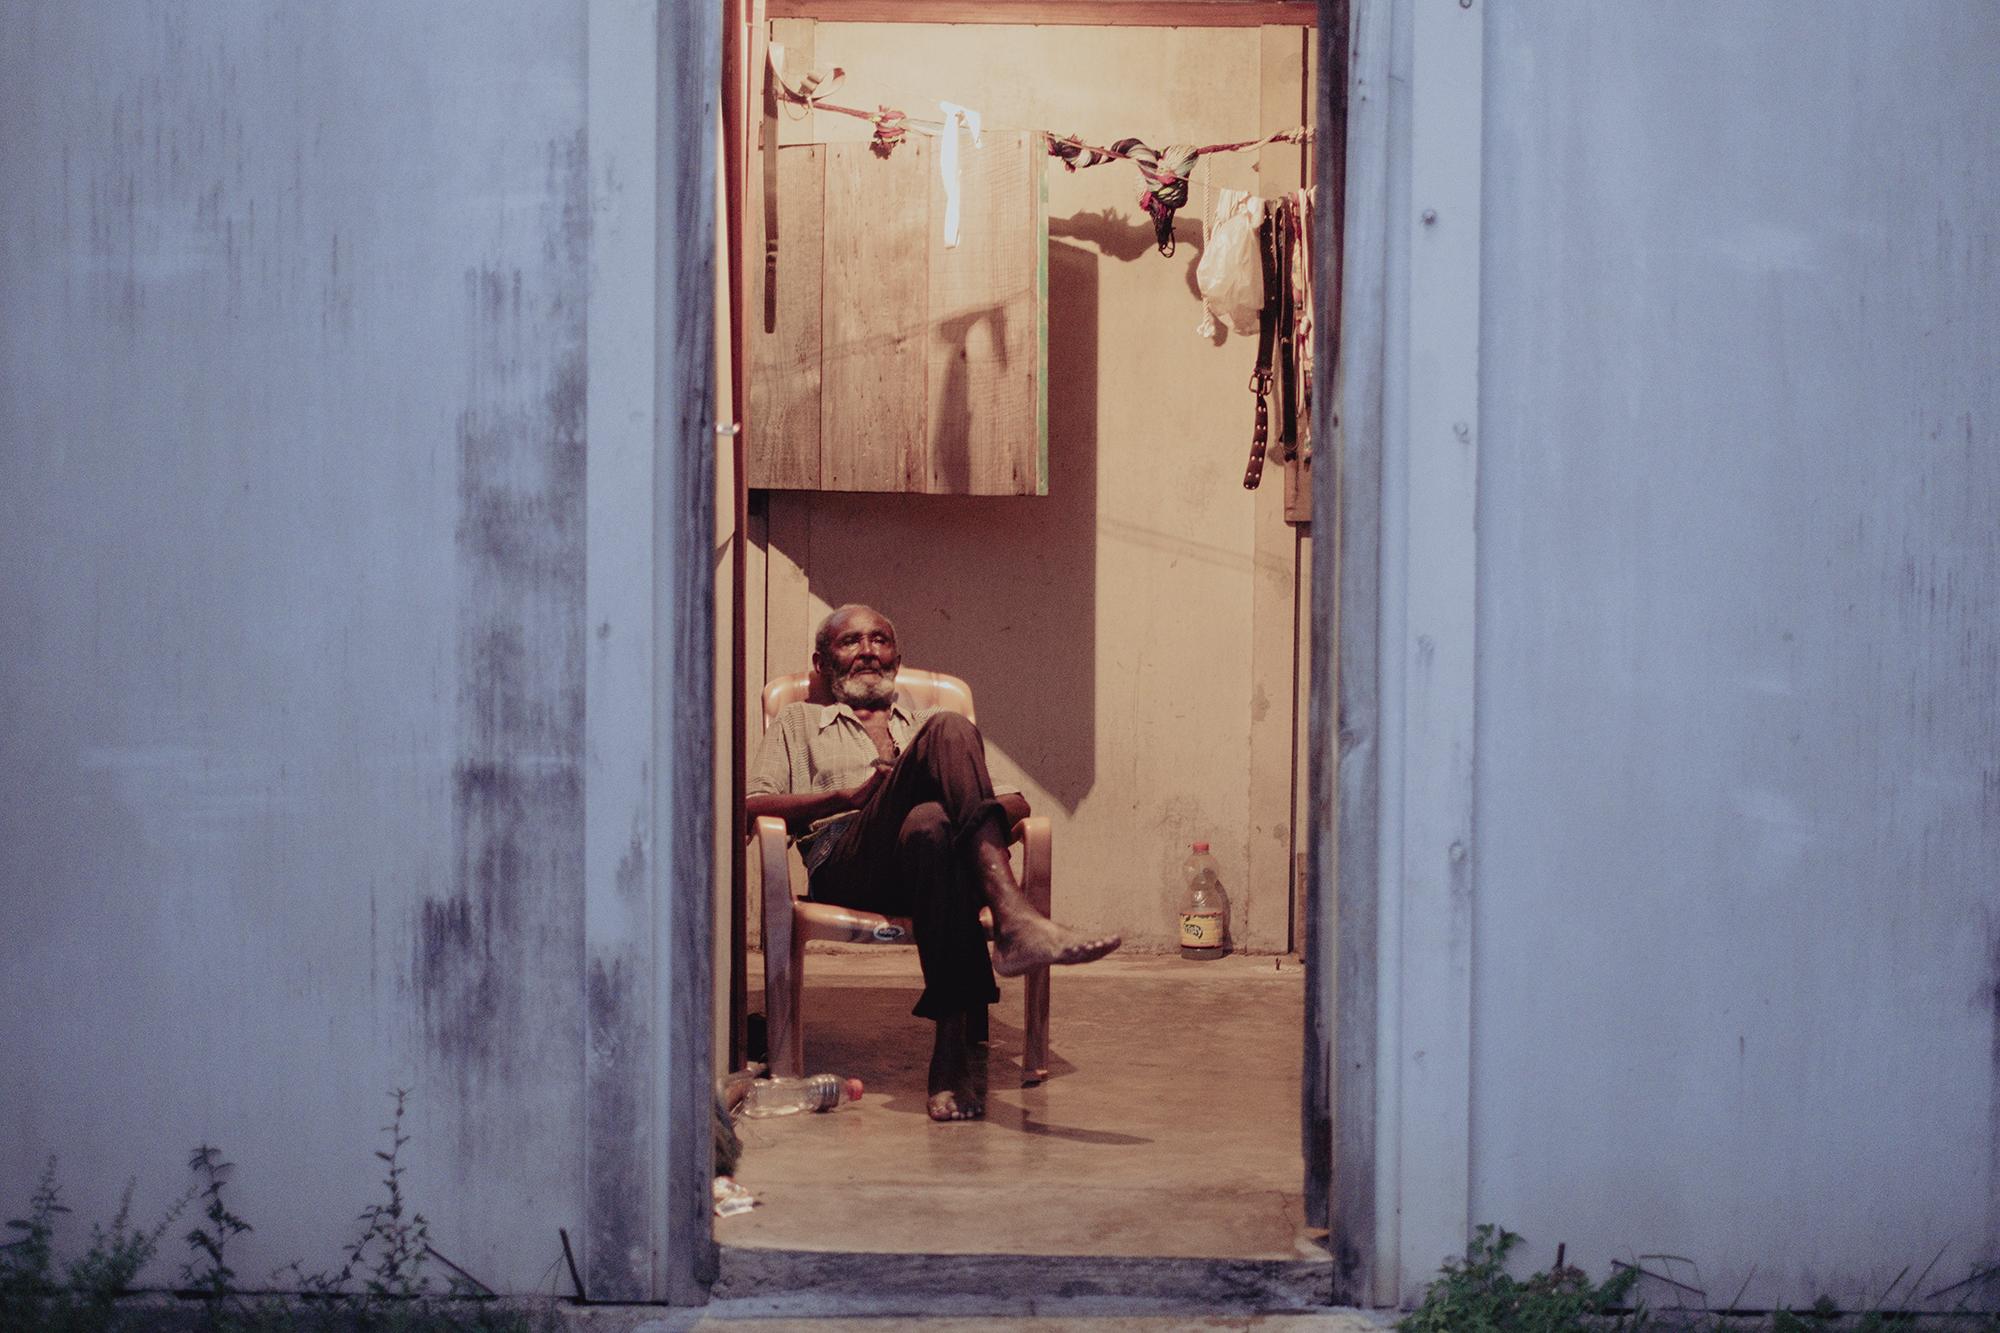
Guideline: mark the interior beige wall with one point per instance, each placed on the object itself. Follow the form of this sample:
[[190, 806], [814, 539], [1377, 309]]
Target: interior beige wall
[[1109, 629]]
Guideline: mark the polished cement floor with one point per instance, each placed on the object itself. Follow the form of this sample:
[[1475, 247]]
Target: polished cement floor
[[1169, 1125]]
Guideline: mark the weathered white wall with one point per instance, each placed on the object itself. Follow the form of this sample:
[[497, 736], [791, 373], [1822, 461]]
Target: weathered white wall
[[291, 569], [1108, 628], [1736, 924]]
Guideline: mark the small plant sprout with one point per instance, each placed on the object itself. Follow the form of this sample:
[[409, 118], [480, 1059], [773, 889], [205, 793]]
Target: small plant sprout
[[394, 1239], [207, 1272], [26, 1260], [117, 1253]]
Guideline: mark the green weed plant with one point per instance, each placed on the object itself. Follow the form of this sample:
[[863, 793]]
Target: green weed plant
[[382, 1286], [1478, 1295]]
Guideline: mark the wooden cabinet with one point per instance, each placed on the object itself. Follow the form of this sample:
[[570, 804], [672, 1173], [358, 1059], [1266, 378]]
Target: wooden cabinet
[[897, 363]]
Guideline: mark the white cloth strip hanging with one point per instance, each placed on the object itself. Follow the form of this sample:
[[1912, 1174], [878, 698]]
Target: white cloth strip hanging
[[948, 162]]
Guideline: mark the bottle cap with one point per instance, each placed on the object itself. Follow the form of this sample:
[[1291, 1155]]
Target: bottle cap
[[854, 1090], [1201, 846]]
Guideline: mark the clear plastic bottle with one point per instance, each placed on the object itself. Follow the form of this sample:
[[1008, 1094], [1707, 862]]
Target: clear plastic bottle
[[1205, 908], [785, 1096]]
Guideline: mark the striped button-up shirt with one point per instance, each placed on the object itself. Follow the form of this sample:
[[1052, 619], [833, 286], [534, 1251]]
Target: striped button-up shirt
[[823, 747]]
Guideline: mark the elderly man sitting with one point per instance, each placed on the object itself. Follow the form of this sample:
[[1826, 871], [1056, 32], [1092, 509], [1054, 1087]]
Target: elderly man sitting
[[899, 816]]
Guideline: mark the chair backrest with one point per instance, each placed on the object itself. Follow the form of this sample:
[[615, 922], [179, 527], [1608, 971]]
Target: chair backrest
[[919, 688]]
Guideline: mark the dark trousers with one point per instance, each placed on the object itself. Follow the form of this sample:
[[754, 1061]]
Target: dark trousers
[[908, 852]]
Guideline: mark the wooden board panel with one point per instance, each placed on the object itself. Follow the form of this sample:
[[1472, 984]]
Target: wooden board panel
[[985, 324], [872, 390], [785, 380]]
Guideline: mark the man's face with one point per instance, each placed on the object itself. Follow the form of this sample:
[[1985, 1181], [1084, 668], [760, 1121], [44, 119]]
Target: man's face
[[860, 663]]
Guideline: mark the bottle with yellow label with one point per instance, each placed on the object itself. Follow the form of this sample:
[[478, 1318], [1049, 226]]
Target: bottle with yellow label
[[1204, 908]]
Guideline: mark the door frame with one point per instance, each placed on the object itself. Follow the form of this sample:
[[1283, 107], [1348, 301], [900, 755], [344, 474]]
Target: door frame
[[650, 1101], [1400, 714], [653, 74]]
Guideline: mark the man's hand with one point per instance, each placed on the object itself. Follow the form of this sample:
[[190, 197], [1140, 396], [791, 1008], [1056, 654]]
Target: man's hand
[[857, 795]]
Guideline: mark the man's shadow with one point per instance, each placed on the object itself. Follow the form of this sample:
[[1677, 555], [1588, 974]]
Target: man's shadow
[[876, 1039]]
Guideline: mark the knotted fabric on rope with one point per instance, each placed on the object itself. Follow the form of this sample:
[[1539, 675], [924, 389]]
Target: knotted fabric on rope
[[1075, 153], [1166, 176], [809, 90], [1165, 173], [889, 131]]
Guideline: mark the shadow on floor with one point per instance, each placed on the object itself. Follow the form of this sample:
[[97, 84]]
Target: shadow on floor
[[1171, 1129]]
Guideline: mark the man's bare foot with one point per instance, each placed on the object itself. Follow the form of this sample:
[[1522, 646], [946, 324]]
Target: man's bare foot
[[1039, 942], [957, 1085], [952, 1105]]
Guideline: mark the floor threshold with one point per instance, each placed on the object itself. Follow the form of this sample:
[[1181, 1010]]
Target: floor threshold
[[888, 1285]]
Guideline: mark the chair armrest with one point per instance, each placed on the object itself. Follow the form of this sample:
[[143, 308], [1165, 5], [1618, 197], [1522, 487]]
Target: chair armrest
[[1015, 806]]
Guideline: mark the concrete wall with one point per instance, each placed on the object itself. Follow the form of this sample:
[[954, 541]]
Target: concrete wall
[[1120, 641], [1736, 924], [291, 569]]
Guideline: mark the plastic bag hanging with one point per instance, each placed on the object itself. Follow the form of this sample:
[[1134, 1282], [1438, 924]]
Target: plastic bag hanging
[[1231, 272]]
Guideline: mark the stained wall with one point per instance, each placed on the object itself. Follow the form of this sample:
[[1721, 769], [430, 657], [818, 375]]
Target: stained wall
[[291, 569], [1736, 923]]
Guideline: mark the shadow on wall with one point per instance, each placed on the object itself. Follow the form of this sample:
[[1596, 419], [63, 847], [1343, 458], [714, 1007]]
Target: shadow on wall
[[999, 590], [951, 442], [1116, 235]]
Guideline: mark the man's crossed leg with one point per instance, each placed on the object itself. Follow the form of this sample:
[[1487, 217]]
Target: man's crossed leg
[[930, 843]]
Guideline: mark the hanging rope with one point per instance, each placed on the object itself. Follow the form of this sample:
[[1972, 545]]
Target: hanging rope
[[1165, 171]]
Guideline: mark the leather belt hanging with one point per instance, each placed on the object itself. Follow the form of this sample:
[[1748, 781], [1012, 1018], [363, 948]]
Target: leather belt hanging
[[1284, 233], [770, 147], [1267, 332]]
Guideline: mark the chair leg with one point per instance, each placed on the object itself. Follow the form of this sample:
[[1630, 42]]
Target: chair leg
[[1035, 1042], [1037, 854], [795, 1052], [782, 945], [782, 1020]]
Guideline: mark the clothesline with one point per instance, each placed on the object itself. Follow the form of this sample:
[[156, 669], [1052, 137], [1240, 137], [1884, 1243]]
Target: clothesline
[[1279, 243], [1164, 170], [894, 122]]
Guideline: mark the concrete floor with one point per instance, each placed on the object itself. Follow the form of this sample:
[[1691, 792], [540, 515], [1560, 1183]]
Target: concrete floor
[[1169, 1126]]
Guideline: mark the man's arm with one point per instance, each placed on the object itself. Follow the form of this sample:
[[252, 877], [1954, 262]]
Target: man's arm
[[799, 809]]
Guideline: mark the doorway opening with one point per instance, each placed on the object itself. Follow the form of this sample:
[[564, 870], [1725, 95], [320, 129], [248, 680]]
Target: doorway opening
[[1138, 638]]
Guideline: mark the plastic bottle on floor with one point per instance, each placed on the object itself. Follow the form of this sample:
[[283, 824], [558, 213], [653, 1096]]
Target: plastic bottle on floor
[[1205, 908], [786, 1096]]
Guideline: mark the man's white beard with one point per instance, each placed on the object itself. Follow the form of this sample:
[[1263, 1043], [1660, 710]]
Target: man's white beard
[[865, 691]]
